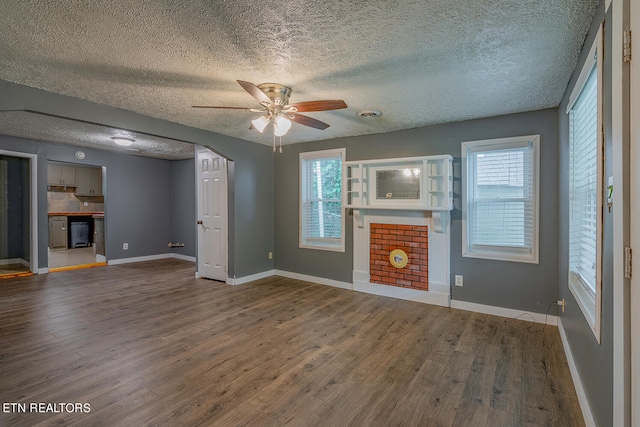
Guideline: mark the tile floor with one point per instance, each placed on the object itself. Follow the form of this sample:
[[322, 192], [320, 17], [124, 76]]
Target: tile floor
[[69, 257], [57, 259]]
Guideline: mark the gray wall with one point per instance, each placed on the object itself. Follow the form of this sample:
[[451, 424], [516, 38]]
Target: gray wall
[[288, 256], [137, 205], [183, 206], [594, 361], [497, 283], [137, 197], [251, 213]]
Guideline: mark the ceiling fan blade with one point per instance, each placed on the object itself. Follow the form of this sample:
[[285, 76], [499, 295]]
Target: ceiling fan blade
[[308, 121], [332, 104], [226, 108], [254, 91]]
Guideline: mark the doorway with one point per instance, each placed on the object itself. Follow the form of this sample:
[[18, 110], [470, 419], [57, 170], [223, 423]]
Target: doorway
[[18, 214], [212, 223], [75, 207]]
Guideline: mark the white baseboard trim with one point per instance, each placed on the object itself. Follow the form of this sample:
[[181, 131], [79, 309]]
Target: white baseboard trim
[[101, 258], [441, 299], [234, 281], [313, 279], [505, 312], [184, 257], [25, 263], [149, 258], [577, 382], [10, 261], [44, 270]]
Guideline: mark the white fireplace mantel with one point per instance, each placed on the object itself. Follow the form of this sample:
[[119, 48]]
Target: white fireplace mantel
[[406, 183], [439, 219]]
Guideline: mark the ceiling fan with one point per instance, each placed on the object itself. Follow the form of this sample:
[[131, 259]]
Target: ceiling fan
[[276, 109]]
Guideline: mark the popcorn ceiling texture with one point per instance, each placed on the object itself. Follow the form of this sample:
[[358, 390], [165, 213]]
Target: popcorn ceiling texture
[[47, 128], [419, 62]]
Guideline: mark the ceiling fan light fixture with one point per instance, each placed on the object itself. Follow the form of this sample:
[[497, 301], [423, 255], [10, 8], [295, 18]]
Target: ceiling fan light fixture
[[125, 142], [260, 123], [282, 126]]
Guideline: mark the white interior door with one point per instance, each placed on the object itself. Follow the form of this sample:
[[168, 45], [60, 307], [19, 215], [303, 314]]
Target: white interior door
[[634, 191], [212, 215]]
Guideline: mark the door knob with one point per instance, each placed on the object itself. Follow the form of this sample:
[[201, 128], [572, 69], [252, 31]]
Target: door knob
[[200, 222]]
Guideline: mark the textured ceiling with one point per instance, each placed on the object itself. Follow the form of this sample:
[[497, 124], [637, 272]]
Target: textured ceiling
[[56, 129], [419, 62]]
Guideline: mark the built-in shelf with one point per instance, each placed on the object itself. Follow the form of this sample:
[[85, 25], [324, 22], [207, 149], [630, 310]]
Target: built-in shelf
[[410, 183]]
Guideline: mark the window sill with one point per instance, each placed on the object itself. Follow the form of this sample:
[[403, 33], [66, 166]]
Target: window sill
[[587, 304], [322, 247], [501, 256]]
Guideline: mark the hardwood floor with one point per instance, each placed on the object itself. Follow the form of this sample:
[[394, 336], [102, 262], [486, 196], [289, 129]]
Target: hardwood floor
[[148, 344]]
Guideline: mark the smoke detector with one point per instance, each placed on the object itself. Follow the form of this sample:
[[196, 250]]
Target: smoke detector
[[369, 114]]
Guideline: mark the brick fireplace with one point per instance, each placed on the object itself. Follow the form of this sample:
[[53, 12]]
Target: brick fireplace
[[421, 271], [410, 245]]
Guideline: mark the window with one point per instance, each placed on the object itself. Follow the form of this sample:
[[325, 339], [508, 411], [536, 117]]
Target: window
[[500, 199], [585, 188], [321, 216]]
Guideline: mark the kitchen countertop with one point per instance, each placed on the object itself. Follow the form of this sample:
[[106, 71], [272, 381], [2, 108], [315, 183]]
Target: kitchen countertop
[[92, 214]]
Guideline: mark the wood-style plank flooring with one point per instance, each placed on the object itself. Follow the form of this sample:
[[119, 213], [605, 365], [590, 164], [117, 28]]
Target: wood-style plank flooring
[[148, 344]]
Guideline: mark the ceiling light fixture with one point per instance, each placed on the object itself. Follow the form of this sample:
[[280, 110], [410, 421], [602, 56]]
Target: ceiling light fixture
[[274, 100], [281, 126], [260, 123], [125, 142]]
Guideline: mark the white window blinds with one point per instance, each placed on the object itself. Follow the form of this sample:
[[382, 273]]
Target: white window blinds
[[586, 186], [583, 184], [321, 200], [501, 199]]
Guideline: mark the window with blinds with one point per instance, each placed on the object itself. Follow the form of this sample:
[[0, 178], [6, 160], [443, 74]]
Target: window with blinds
[[583, 185], [586, 187], [321, 216], [501, 212]]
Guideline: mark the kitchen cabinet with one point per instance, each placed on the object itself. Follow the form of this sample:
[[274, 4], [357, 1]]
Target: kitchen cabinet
[[61, 175], [58, 232], [89, 181]]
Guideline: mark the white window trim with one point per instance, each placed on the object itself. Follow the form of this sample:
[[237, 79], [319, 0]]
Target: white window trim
[[591, 305], [501, 254], [309, 243]]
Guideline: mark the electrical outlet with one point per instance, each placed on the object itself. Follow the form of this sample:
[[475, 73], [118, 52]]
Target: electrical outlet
[[125, 246], [458, 280], [561, 304], [270, 255]]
